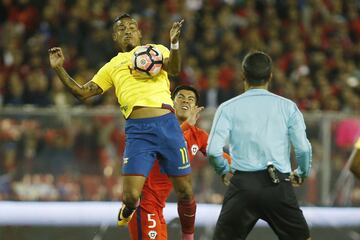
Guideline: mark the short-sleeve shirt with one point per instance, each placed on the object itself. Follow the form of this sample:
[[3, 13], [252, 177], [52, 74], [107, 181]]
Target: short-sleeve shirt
[[133, 88]]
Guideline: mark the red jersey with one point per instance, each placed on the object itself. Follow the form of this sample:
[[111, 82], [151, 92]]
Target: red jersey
[[158, 186]]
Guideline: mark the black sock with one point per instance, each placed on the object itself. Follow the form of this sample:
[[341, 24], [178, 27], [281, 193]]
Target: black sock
[[127, 211]]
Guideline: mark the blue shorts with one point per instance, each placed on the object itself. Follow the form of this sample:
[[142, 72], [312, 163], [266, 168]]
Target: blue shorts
[[148, 139]]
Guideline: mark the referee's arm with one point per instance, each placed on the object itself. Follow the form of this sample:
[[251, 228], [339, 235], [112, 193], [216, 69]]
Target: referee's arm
[[301, 144], [219, 133]]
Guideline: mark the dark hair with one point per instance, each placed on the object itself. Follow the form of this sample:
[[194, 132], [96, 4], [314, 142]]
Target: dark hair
[[124, 15], [185, 87], [257, 67]]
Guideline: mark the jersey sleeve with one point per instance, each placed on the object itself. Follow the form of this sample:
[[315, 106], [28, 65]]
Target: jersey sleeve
[[103, 79], [203, 141], [301, 144], [164, 50], [204, 138], [220, 131]]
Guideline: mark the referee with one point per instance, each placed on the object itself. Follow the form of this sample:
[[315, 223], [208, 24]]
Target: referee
[[259, 127]]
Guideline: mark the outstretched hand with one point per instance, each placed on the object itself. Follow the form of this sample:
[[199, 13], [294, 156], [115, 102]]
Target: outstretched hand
[[194, 115], [56, 57], [175, 31]]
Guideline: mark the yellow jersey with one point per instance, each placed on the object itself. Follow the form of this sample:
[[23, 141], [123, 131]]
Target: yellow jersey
[[133, 88], [357, 144]]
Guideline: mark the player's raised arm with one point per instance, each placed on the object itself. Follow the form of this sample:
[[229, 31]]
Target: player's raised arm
[[173, 64], [81, 92]]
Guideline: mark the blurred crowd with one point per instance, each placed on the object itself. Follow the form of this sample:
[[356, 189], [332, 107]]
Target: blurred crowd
[[314, 45]]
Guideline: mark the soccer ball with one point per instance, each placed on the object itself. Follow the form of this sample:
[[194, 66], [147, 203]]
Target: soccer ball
[[147, 60]]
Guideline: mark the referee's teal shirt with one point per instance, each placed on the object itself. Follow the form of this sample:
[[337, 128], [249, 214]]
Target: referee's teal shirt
[[260, 127]]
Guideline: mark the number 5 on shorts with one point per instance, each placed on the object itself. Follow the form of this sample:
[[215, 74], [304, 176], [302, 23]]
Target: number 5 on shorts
[[151, 220]]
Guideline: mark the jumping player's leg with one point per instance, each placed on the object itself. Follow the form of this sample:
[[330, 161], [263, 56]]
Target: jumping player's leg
[[175, 161], [186, 205], [142, 143], [136, 168], [132, 187], [147, 225], [183, 187]]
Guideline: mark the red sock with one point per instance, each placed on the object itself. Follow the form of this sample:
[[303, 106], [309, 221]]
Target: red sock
[[186, 211]]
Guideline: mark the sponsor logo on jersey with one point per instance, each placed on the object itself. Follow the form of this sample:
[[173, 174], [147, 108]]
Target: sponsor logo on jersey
[[125, 160]]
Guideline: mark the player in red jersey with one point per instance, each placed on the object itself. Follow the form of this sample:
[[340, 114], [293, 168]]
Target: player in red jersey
[[148, 221]]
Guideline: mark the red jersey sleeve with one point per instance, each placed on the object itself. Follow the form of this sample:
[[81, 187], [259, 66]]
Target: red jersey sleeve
[[195, 135], [203, 138]]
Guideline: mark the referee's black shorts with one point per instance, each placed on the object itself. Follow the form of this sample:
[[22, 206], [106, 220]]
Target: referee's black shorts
[[252, 196]]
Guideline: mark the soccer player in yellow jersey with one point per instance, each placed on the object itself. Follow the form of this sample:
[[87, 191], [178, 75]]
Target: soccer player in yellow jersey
[[152, 130]]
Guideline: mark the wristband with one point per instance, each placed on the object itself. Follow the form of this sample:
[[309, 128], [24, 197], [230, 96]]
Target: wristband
[[174, 46]]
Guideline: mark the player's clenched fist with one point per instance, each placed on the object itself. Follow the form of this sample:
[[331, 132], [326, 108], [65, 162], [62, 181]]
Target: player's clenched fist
[[56, 57]]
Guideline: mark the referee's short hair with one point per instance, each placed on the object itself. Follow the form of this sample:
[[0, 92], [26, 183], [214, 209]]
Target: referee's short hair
[[257, 67]]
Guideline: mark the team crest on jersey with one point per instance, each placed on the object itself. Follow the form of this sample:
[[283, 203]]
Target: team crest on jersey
[[152, 234], [194, 149]]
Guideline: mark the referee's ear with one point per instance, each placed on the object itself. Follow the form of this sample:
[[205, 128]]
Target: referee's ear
[[270, 78], [243, 79], [242, 76]]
